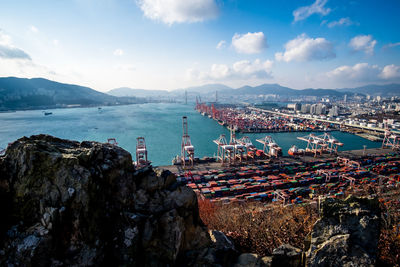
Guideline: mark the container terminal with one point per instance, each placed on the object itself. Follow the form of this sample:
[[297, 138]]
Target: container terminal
[[256, 120], [240, 172]]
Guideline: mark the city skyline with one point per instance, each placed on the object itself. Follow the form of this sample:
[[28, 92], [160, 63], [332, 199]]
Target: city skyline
[[152, 44]]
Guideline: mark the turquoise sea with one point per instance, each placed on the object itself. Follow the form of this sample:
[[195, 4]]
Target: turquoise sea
[[160, 124]]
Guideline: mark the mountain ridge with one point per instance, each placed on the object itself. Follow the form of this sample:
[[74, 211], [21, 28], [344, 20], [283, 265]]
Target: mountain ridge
[[39, 93], [36, 93], [372, 89]]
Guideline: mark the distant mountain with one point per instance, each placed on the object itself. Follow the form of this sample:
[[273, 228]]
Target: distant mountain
[[276, 89], [207, 88], [373, 89], [22, 93], [126, 91]]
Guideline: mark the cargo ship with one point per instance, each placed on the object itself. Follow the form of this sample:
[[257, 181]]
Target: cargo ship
[[294, 151]]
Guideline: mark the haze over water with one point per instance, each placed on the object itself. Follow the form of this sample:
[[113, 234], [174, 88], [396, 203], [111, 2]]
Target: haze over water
[[160, 124]]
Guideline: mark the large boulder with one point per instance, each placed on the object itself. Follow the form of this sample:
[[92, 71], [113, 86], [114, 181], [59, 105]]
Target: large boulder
[[347, 233], [287, 255], [83, 203]]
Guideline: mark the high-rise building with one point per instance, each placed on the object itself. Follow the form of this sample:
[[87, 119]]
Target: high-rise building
[[334, 111], [320, 109], [313, 109], [305, 108]]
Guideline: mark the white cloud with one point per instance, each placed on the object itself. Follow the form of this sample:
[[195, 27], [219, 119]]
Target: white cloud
[[16, 62], [34, 29], [342, 22], [303, 48], [363, 72], [221, 44], [390, 72], [243, 69], [256, 68], [9, 51], [363, 43], [178, 11], [390, 45], [358, 72], [316, 8], [56, 42], [125, 67], [24, 68], [249, 43], [118, 52]]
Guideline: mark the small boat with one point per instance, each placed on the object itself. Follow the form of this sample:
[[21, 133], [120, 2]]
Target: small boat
[[47, 113], [221, 122]]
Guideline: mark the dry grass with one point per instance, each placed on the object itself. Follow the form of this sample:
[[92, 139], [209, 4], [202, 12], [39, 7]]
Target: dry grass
[[259, 229], [389, 241]]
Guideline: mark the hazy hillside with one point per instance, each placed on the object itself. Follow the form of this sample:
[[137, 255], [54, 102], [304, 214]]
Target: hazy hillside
[[276, 89], [126, 91], [373, 89], [207, 88], [21, 93]]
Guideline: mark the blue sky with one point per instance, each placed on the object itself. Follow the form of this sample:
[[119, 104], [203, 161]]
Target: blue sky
[[168, 44]]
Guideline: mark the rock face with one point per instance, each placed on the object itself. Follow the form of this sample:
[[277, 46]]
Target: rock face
[[70, 203], [286, 255], [347, 234]]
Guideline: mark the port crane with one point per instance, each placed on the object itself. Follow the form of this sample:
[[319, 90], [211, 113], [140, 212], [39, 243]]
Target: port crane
[[348, 178], [141, 153], [239, 149], [250, 148], [270, 148], [327, 174], [348, 162], [391, 140], [315, 144], [332, 143], [187, 149], [225, 152], [112, 141]]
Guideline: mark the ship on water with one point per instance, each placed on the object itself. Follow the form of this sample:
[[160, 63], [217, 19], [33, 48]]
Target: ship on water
[[295, 151]]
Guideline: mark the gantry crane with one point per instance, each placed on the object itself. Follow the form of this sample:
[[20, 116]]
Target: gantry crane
[[225, 152], [141, 153], [112, 141], [391, 141], [270, 148], [315, 145], [187, 149]]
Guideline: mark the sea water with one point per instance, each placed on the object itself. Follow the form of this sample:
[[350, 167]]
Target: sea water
[[159, 123]]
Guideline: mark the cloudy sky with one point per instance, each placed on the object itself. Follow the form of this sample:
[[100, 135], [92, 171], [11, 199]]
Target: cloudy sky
[[168, 44]]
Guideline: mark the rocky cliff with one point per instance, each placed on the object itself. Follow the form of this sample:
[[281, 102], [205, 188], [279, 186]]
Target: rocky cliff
[[347, 233], [71, 203]]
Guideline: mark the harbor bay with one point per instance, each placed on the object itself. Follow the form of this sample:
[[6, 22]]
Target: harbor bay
[[159, 123]]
